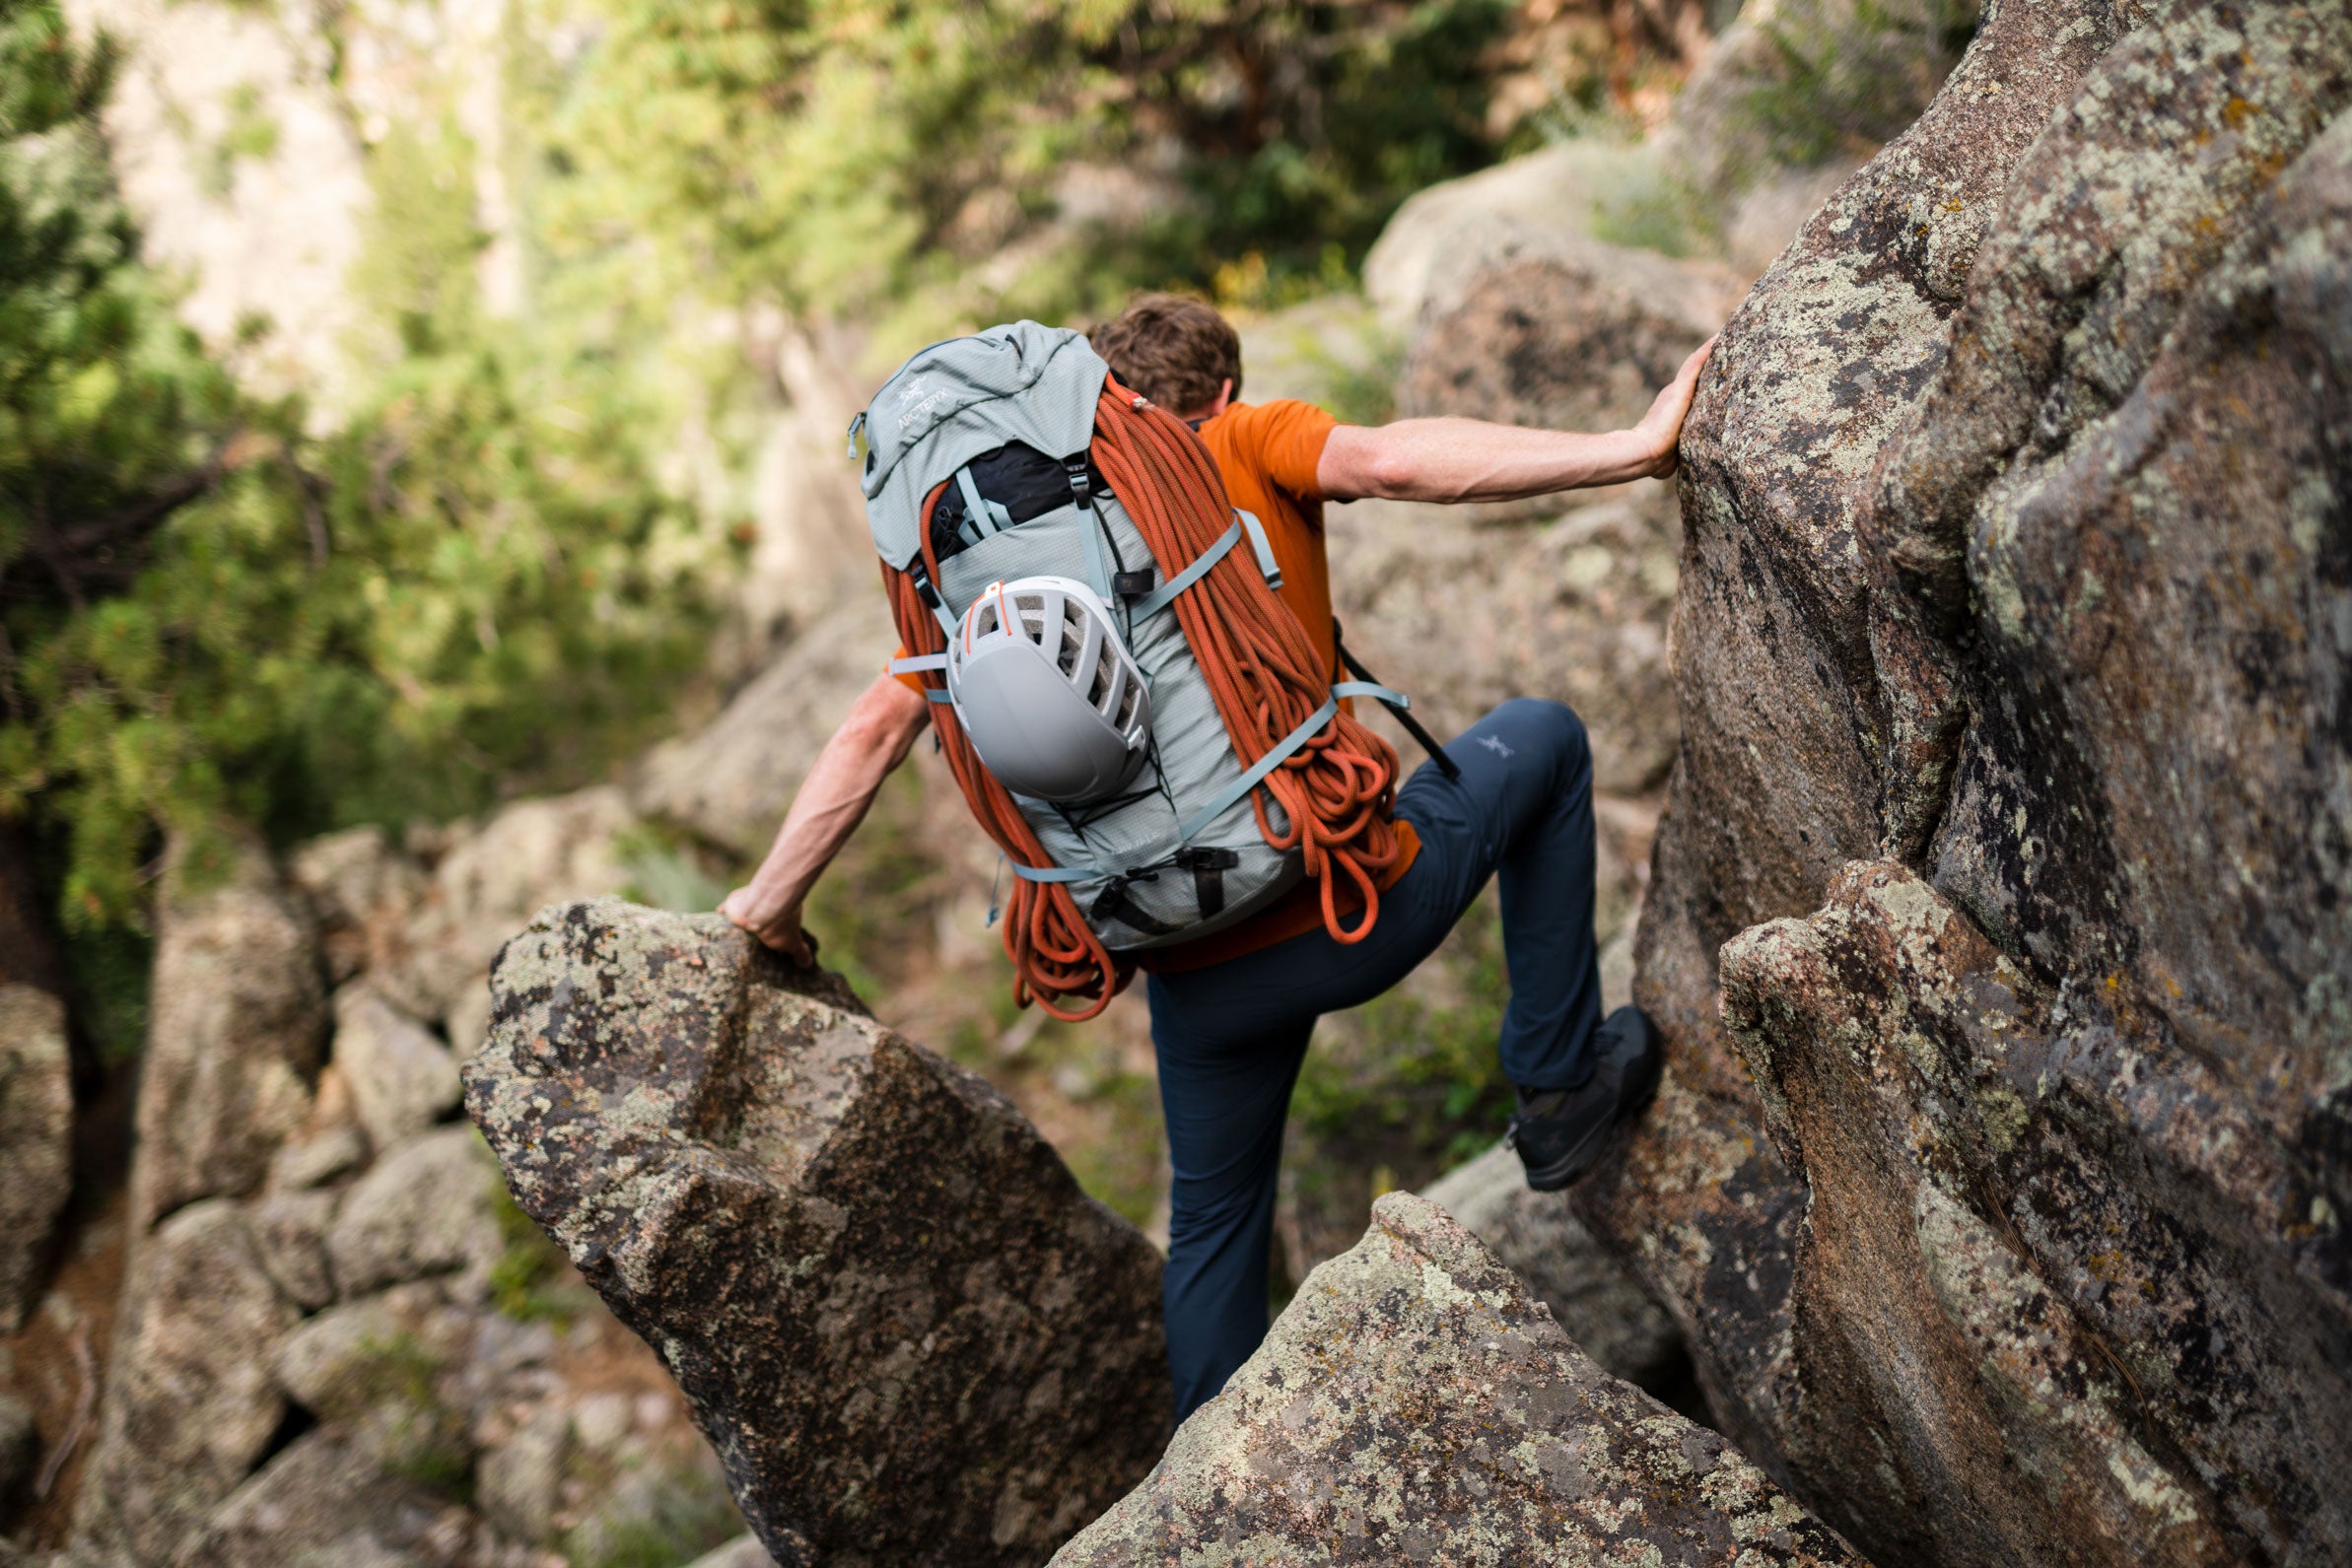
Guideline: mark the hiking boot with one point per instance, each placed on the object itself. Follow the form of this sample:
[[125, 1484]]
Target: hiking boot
[[1559, 1133]]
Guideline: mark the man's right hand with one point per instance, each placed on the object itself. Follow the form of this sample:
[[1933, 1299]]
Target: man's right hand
[[777, 925], [1661, 428]]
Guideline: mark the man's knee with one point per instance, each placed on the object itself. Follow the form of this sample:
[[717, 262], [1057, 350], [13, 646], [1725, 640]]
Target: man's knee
[[1551, 728]]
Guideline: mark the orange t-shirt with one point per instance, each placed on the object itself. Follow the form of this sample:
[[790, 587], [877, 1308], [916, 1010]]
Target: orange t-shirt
[[1269, 453]]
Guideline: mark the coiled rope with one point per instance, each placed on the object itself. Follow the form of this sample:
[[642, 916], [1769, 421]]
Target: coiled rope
[[1334, 794]]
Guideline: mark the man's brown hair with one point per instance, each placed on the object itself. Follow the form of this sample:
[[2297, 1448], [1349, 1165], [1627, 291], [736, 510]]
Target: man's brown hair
[[1173, 348]]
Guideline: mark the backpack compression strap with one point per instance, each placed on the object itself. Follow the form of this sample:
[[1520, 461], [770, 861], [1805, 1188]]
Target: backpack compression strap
[[1332, 779]]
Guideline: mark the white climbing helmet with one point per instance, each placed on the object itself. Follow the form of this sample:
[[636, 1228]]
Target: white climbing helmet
[[1047, 691]]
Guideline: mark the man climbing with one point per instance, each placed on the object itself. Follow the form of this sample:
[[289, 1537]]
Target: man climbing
[[1232, 1009]]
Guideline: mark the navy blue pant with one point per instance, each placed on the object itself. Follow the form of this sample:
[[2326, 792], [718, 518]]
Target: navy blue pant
[[1230, 1037]]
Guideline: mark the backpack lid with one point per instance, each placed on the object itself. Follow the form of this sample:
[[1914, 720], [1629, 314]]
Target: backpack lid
[[954, 400]]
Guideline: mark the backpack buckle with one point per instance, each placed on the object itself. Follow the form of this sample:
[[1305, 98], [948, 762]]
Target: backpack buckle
[[1081, 486], [1132, 584], [1209, 868]]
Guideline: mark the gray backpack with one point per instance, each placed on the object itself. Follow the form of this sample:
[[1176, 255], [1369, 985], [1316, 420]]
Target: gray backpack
[[999, 426]]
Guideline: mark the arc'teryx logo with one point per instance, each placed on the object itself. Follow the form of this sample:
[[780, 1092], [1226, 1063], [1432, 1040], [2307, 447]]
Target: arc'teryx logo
[[1494, 744], [917, 398]]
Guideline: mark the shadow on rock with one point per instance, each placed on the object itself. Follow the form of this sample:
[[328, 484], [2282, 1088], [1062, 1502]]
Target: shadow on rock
[[909, 1334]]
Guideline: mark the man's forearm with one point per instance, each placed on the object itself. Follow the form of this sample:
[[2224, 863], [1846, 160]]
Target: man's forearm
[[1468, 459], [840, 788]]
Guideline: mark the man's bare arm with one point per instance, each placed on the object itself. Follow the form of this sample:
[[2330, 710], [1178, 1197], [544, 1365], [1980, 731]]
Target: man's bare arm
[[832, 801], [1468, 459]]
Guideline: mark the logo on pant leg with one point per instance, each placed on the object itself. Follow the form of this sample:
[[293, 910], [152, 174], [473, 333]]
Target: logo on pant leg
[[1494, 744]]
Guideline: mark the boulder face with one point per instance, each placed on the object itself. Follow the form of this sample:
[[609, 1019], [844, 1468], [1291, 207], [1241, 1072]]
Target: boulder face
[[37, 1125], [910, 1335], [1559, 333], [328, 1498], [1416, 1403], [2001, 1196], [235, 1035], [1589, 1293], [190, 1406], [730, 780]]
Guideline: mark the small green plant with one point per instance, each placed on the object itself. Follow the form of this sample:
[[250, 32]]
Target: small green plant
[[390, 1388], [667, 871], [684, 1513], [396, 1369], [434, 1457], [526, 1283], [1664, 215]]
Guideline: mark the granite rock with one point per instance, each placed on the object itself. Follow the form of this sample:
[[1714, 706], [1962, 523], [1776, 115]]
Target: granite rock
[[1454, 228], [189, 1402], [427, 1207], [363, 892], [489, 879], [402, 1077], [1999, 1198], [37, 1126], [234, 1031], [1416, 1403], [730, 782], [910, 1335], [328, 1501], [1596, 1300], [290, 1235], [341, 1363], [521, 1479], [1573, 609], [1559, 333], [318, 1158]]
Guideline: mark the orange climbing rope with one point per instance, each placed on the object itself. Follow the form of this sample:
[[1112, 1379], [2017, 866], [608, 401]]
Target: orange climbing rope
[[1335, 793]]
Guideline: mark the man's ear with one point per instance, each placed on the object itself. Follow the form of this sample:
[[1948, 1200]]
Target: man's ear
[[1223, 400]]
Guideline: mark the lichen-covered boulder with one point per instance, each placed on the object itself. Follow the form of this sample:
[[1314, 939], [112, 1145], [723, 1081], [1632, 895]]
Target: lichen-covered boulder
[[403, 1078], [37, 1126], [1591, 1295], [1415, 1403], [235, 1030], [191, 1405], [910, 1334], [2000, 1199]]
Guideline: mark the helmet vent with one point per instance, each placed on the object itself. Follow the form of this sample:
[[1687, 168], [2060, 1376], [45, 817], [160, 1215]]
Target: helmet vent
[[1031, 611], [1082, 733]]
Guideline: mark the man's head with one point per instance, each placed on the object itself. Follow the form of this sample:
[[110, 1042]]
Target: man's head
[[1175, 349]]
